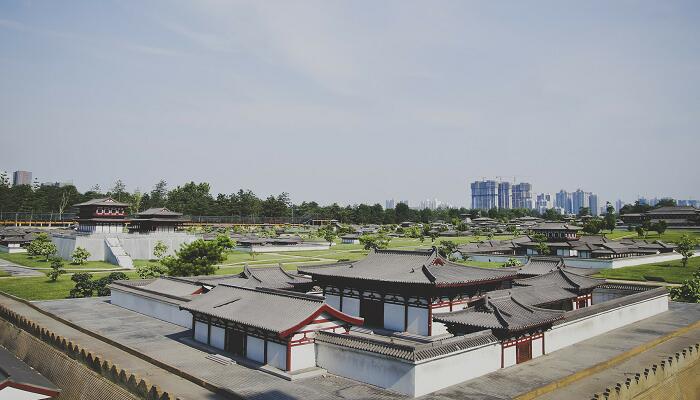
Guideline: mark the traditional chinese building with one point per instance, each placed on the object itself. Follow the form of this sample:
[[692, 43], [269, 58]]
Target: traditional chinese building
[[401, 290], [580, 285], [268, 326], [518, 326], [156, 220], [104, 215]]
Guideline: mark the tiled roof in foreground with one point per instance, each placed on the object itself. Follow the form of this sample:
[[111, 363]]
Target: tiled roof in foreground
[[417, 267], [501, 313], [405, 350], [562, 278], [277, 311], [14, 373]]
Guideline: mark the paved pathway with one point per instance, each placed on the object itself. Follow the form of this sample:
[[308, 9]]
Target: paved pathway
[[17, 270], [160, 340]]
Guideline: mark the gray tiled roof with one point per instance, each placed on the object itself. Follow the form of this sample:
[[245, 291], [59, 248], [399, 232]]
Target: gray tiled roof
[[159, 211], [536, 295], [562, 278], [504, 312], [405, 350], [272, 310], [541, 265], [14, 372], [418, 267], [252, 277], [105, 201]]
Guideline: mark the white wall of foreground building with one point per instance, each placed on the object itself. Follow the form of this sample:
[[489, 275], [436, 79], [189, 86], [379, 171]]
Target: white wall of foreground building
[[572, 332], [218, 337], [426, 376], [275, 249], [406, 377], [161, 310]]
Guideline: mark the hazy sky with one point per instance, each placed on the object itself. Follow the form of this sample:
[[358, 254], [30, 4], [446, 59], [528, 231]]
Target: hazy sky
[[354, 101]]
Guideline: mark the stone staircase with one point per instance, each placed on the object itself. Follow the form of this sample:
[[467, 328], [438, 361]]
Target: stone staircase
[[116, 253]]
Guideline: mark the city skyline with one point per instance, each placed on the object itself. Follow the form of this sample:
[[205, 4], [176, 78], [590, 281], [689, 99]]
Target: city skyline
[[235, 94]]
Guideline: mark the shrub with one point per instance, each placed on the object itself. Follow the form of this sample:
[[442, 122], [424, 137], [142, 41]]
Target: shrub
[[80, 256], [159, 250], [84, 286], [151, 271], [56, 269]]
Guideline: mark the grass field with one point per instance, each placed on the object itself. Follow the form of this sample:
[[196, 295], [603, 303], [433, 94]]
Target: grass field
[[668, 236], [38, 262], [40, 288], [671, 272]]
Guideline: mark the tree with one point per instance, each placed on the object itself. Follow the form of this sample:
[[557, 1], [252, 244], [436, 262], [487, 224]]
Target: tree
[[56, 269], [151, 271], [158, 195], [541, 244], [376, 242], [402, 212], [593, 226], [584, 211], [102, 285], [160, 249], [447, 247], [640, 231], [135, 203], [118, 190], [660, 227], [686, 247], [80, 256], [665, 203], [225, 242], [689, 292], [512, 262], [610, 221], [328, 235], [196, 258], [84, 286], [433, 236], [42, 246]]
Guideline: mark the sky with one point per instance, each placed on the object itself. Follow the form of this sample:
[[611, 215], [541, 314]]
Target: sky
[[354, 101]]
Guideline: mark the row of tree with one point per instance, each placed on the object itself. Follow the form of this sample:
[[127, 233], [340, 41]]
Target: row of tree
[[196, 199]]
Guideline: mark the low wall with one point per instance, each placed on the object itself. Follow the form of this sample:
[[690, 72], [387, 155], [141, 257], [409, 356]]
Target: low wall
[[588, 262], [600, 320], [275, 249], [12, 250], [161, 310], [79, 373], [676, 377]]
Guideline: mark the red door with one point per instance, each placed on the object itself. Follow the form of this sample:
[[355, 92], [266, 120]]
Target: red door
[[523, 351]]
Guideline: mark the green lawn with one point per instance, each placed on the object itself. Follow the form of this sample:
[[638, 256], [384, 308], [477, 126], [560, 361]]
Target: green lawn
[[671, 272], [40, 288], [671, 235], [37, 262]]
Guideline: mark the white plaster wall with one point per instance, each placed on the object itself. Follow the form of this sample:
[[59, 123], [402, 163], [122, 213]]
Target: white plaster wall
[[351, 306], [366, 367], [10, 393], [277, 355], [417, 320], [200, 332], [333, 301], [536, 348], [588, 262], [138, 246], [218, 337], [569, 333], [495, 258], [153, 308], [442, 372], [255, 349], [509, 356], [394, 316], [274, 249], [438, 328], [303, 356], [12, 249]]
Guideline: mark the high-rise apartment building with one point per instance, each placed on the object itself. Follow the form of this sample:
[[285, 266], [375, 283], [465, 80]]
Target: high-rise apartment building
[[484, 195], [562, 200], [579, 200], [593, 204], [389, 204], [21, 178], [618, 205], [543, 202], [503, 195], [522, 195]]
